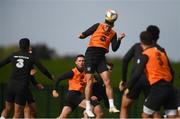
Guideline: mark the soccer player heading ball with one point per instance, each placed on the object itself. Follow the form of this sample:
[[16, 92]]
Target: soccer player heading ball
[[111, 16], [102, 35]]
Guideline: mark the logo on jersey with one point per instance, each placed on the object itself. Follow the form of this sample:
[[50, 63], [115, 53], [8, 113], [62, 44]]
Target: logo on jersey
[[88, 68], [138, 61]]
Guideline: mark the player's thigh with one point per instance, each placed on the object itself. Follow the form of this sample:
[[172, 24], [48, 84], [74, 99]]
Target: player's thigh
[[102, 65], [105, 77], [9, 105]]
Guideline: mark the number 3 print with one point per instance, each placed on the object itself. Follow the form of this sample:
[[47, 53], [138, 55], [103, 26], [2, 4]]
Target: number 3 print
[[20, 63]]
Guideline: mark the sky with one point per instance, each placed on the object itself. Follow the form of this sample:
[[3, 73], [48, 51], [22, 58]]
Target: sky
[[58, 23]]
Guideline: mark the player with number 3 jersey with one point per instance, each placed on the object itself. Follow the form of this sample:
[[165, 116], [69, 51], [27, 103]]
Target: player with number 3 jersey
[[22, 62]]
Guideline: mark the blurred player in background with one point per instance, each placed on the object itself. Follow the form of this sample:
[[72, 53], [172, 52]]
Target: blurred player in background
[[18, 87], [158, 71], [142, 84], [75, 96], [30, 110]]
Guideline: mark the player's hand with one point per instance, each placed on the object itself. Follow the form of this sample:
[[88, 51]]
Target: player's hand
[[126, 91], [94, 80], [81, 36], [33, 72], [122, 85], [93, 98], [39, 86], [55, 93], [122, 35]]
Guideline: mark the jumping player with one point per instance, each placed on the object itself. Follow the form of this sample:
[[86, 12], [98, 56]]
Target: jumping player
[[102, 35]]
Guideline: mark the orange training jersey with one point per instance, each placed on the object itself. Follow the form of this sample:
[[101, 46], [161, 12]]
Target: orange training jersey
[[157, 67], [77, 82], [102, 36]]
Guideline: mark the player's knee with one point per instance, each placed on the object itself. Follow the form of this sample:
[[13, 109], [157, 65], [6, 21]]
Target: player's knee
[[98, 112], [7, 109], [88, 76], [99, 115], [93, 98], [125, 105], [17, 113], [63, 116], [144, 115], [18, 110], [26, 109]]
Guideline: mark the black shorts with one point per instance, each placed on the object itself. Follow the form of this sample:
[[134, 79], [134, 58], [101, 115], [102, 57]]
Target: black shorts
[[73, 99], [17, 92], [162, 94], [16, 96], [141, 85], [95, 60]]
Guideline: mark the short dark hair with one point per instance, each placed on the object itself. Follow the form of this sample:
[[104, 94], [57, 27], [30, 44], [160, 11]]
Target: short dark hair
[[24, 43], [154, 30], [109, 23], [80, 55], [146, 38]]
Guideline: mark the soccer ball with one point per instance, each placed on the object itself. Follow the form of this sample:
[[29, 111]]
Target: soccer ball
[[111, 15]]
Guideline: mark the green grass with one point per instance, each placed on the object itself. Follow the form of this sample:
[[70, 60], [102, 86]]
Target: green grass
[[51, 107], [59, 66]]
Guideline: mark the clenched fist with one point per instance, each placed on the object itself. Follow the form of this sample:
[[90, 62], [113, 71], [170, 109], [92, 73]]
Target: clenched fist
[[55, 93]]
